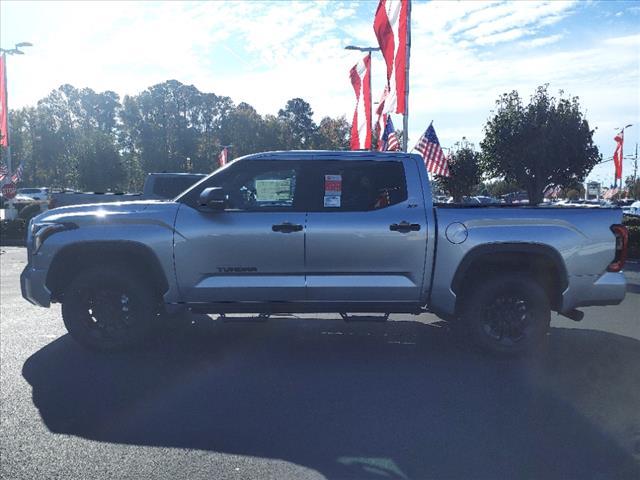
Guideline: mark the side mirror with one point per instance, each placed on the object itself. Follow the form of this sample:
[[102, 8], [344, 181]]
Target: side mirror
[[213, 198]]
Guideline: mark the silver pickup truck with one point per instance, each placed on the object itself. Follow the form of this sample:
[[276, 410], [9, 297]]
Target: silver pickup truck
[[314, 231]]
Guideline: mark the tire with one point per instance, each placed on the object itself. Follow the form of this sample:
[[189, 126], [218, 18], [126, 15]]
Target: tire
[[507, 314], [109, 308]]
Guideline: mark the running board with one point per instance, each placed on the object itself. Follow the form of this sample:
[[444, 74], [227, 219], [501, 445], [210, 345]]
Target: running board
[[263, 317], [364, 318]]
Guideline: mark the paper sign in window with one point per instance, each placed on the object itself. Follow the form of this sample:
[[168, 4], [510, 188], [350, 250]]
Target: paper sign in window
[[332, 201], [273, 190], [333, 185]]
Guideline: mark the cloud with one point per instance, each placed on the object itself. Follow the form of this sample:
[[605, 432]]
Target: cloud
[[488, 23], [626, 41], [541, 41]]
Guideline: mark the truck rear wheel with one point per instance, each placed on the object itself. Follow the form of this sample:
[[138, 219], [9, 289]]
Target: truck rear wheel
[[108, 308], [507, 314]]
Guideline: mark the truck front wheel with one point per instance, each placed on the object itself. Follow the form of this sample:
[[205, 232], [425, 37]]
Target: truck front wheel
[[108, 308], [507, 314]]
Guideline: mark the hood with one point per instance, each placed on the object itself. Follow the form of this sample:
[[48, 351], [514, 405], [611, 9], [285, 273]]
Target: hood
[[107, 212]]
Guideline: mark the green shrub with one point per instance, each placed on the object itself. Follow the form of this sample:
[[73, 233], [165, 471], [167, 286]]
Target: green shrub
[[630, 221]]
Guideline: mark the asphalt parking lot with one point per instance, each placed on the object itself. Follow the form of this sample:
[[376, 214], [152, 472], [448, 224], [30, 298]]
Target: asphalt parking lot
[[318, 398]]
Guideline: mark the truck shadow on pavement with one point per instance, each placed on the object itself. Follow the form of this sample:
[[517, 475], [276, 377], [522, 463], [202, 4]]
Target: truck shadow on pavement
[[393, 400]]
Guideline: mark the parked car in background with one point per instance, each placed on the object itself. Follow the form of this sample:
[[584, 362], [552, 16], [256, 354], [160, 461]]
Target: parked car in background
[[166, 186], [39, 194], [486, 200], [20, 201], [633, 209], [516, 197], [157, 186]]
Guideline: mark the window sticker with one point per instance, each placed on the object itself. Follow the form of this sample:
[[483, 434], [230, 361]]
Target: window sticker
[[332, 201], [270, 190], [333, 185]]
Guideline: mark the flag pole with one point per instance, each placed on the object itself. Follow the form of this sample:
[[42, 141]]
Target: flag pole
[[405, 117], [6, 105]]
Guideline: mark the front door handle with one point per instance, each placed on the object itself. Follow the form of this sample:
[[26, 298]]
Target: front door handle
[[404, 227], [286, 227]]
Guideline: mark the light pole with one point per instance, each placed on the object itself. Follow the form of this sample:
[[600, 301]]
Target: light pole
[[11, 211], [4, 52], [635, 168], [368, 50]]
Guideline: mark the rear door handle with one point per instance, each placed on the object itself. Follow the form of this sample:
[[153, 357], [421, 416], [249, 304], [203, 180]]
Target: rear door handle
[[286, 227], [404, 227]]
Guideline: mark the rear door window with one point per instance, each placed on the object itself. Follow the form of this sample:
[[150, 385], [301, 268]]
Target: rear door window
[[356, 186]]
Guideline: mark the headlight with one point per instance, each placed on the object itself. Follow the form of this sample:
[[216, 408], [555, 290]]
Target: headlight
[[42, 230]]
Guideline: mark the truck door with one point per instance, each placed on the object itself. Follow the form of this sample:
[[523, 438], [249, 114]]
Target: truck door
[[254, 249], [366, 231]]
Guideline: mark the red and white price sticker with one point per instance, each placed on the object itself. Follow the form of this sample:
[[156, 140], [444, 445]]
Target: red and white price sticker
[[332, 184]]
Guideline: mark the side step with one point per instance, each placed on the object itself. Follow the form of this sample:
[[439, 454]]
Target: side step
[[364, 318], [262, 317]]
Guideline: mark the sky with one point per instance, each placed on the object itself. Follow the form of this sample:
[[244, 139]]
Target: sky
[[463, 56]]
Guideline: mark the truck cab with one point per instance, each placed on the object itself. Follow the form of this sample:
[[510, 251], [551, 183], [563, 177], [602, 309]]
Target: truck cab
[[308, 229]]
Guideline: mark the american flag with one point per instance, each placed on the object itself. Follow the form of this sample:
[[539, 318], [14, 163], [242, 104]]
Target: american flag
[[612, 192], [388, 141], [431, 151], [3, 171], [17, 175], [223, 157], [552, 192]]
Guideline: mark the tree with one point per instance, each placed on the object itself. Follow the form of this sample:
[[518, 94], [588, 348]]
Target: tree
[[80, 138], [575, 193], [464, 171], [100, 167], [244, 130], [632, 185], [297, 116], [333, 134], [546, 142]]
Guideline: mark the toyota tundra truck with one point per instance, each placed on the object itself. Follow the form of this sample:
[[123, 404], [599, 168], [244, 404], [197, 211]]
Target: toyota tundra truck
[[322, 231]]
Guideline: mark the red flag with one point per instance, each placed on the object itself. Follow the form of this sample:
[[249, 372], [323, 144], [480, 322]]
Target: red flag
[[391, 26], [4, 121], [360, 75], [617, 155], [223, 157]]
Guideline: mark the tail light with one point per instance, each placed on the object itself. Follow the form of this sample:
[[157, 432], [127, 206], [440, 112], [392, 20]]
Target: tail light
[[622, 241]]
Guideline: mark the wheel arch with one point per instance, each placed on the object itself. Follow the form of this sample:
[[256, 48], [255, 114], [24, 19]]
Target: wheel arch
[[74, 258], [543, 262]]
